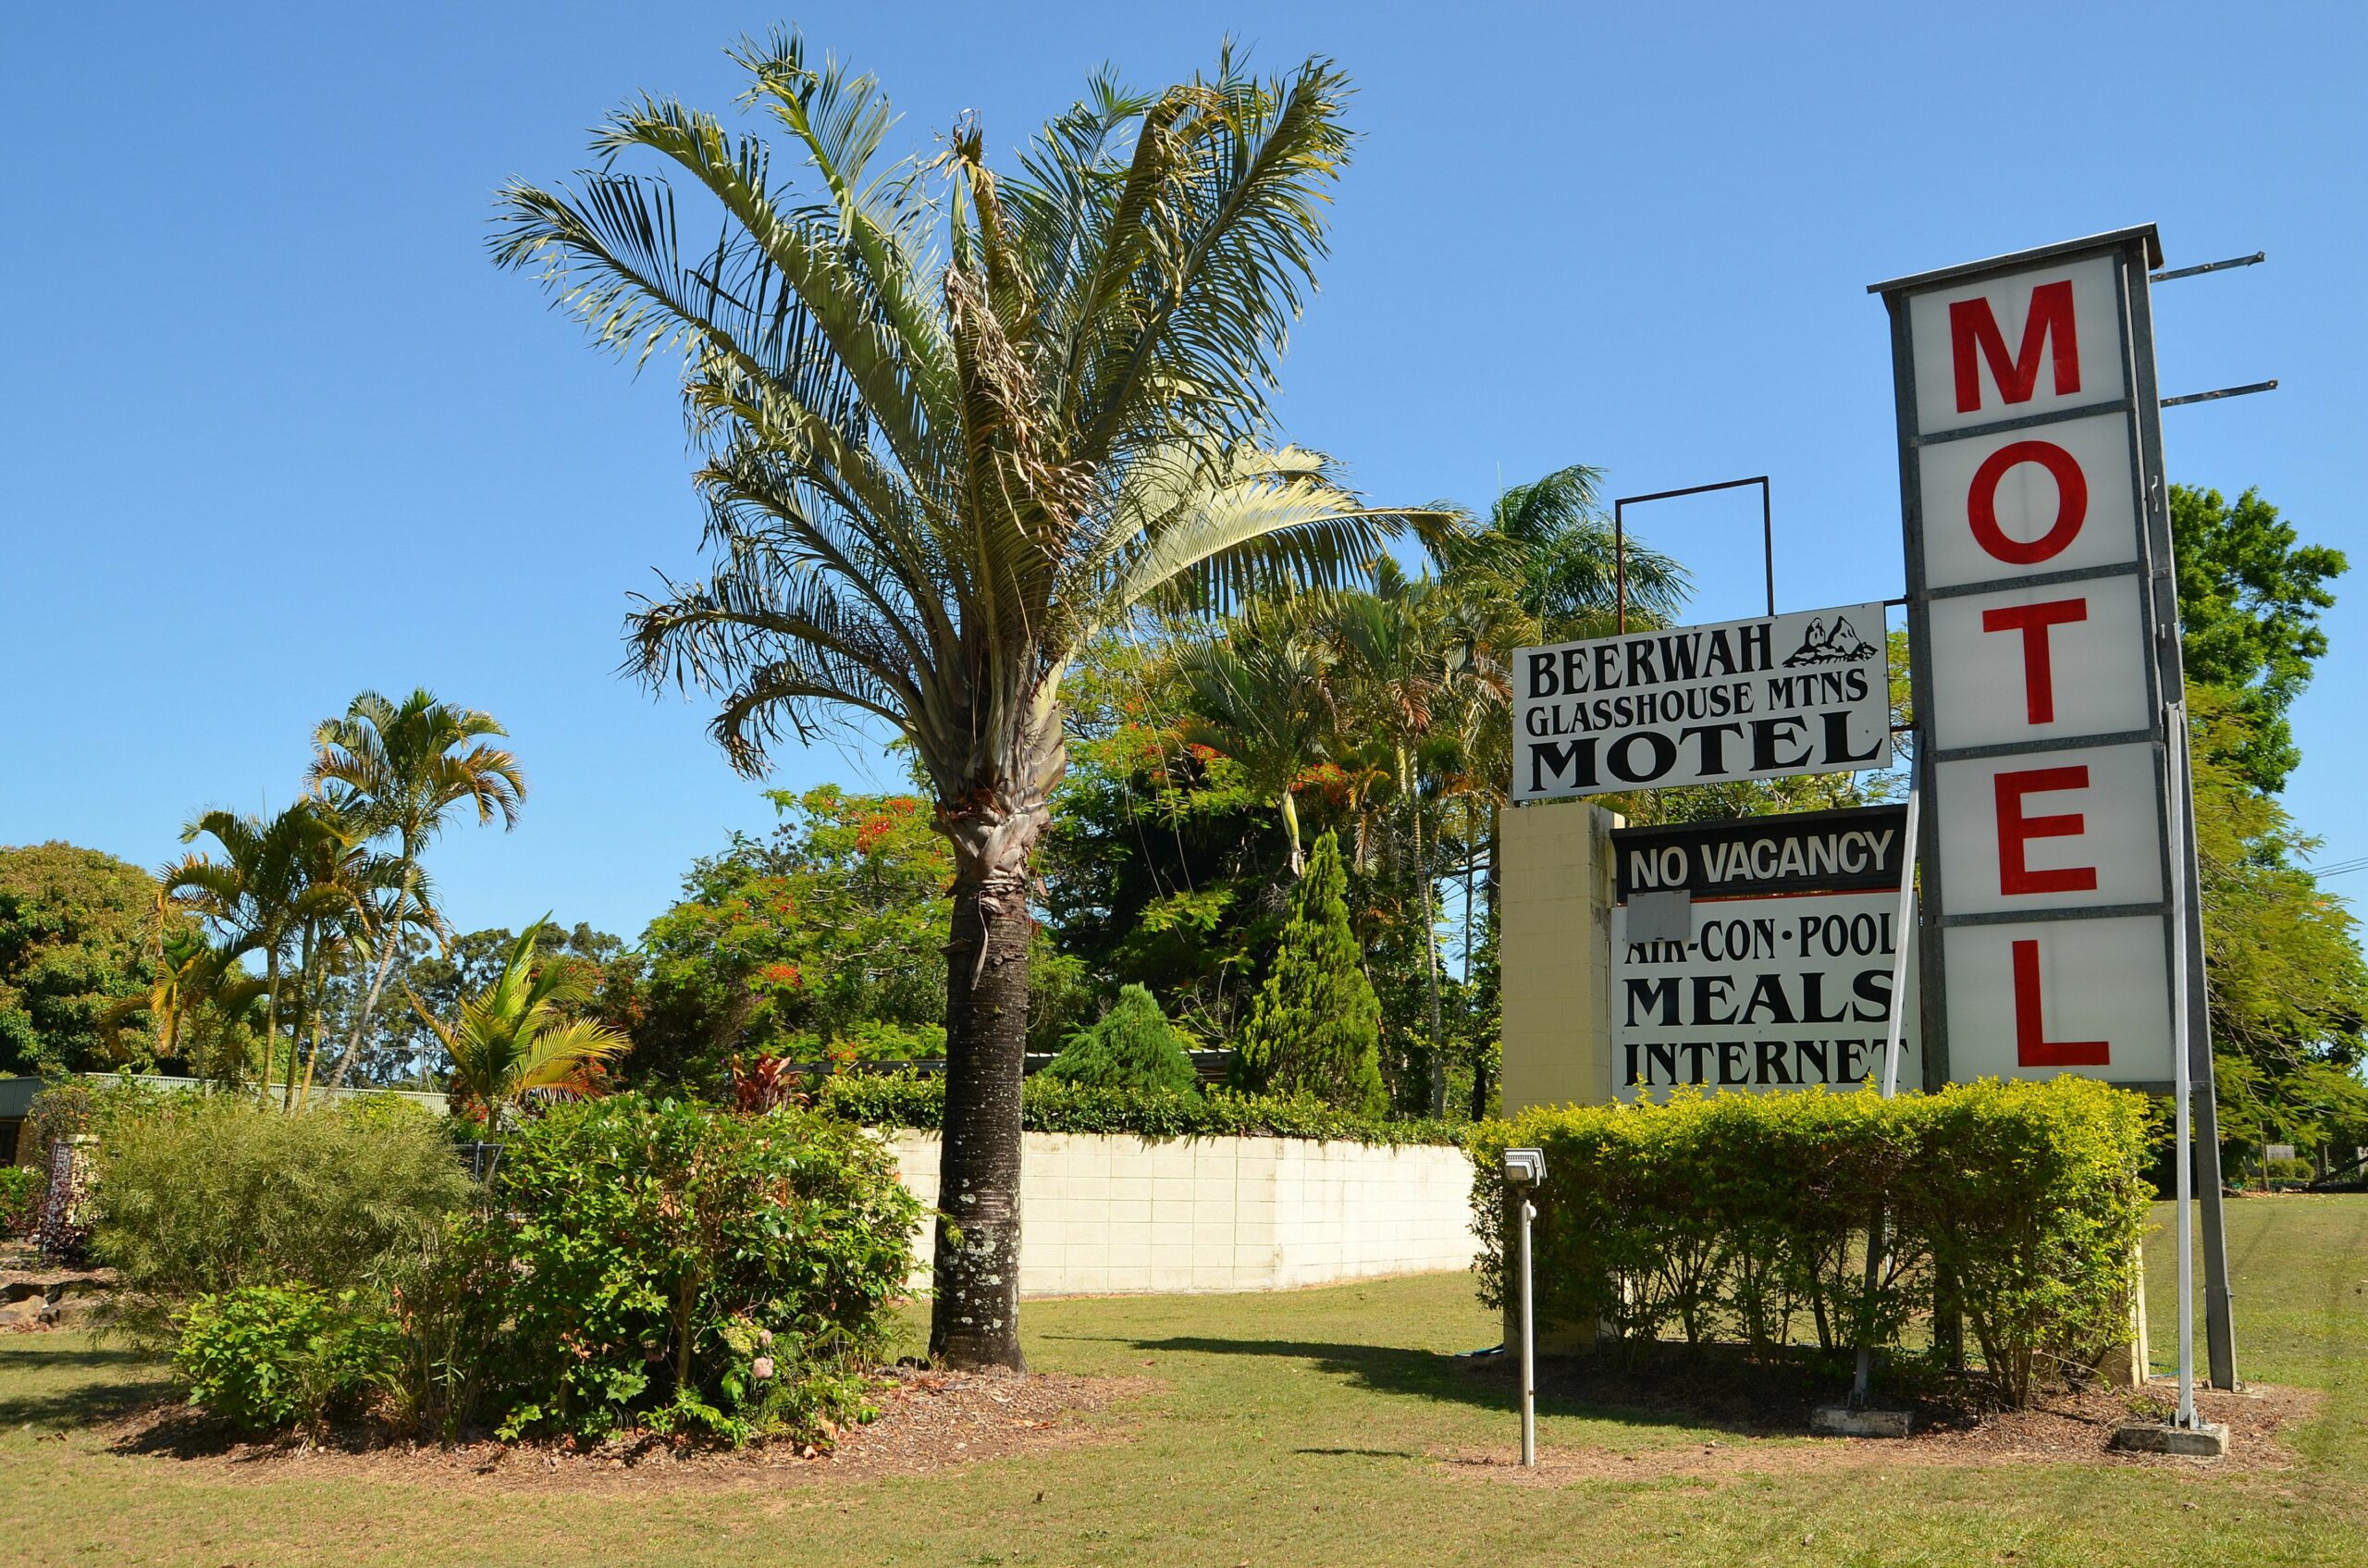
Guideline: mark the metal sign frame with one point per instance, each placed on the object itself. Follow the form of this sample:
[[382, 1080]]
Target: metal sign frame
[[2133, 252], [1619, 536]]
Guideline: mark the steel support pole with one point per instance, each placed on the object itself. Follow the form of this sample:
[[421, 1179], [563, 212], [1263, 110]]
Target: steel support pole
[[1528, 1345], [2219, 1303], [2183, 1098]]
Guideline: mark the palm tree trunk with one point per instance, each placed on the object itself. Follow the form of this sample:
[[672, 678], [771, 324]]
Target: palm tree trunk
[[296, 1031], [270, 1024], [319, 1012], [974, 1318], [387, 939], [1431, 968], [1409, 787]]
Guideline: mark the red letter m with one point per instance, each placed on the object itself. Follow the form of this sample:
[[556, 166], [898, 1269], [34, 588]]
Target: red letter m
[[1971, 326]]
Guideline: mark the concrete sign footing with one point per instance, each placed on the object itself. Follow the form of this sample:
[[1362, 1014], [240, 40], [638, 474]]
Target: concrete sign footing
[[1844, 1421], [2209, 1440]]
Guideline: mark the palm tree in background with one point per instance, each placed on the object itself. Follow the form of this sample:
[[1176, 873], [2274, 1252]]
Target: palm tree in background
[[957, 423], [281, 888], [1258, 695], [1563, 569], [189, 977], [514, 1039], [400, 770]]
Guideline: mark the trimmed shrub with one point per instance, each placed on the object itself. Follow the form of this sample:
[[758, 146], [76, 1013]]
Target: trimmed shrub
[[1049, 1105], [1316, 1029], [667, 1266], [1744, 1217], [268, 1357], [19, 1200], [203, 1195], [2290, 1170], [1133, 1046]]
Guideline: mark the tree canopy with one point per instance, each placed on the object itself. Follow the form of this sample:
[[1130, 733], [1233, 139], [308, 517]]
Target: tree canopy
[[78, 930], [2249, 599]]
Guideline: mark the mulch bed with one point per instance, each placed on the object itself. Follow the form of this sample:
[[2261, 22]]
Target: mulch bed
[[929, 1421], [1752, 1401]]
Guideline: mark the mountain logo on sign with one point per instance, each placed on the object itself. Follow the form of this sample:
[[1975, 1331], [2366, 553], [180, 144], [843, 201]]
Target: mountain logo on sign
[[1839, 644]]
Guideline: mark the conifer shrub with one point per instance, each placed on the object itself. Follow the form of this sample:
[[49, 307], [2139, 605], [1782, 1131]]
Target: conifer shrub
[[1743, 1217], [1316, 1029], [1133, 1046]]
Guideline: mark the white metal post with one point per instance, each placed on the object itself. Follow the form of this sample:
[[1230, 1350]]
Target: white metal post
[[1528, 1346], [2183, 1090], [1903, 936]]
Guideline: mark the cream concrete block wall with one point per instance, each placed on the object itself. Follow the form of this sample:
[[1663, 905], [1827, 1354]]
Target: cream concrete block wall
[[1555, 954], [1116, 1215]]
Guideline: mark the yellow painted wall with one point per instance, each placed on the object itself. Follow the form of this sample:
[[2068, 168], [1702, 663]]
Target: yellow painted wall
[[1556, 953]]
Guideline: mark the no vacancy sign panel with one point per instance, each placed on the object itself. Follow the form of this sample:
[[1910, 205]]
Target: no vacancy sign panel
[[1763, 699], [2043, 627], [1756, 954]]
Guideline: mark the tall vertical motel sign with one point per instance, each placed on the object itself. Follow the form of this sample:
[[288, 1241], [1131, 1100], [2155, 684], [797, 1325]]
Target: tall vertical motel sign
[[2063, 933]]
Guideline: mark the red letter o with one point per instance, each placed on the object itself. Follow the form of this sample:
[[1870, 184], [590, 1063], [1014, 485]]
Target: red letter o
[[2071, 501]]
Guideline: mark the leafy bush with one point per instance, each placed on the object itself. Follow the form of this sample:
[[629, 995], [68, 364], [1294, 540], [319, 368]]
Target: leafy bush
[[1133, 1046], [1745, 1217], [20, 1188], [268, 1357], [2290, 1170], [666, 1266], [1049, 1105], [74, 1106], [205, 1194]]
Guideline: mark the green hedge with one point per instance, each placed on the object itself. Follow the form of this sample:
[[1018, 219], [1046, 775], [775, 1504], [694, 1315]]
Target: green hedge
[[1743, 1217], [1049, 1105]]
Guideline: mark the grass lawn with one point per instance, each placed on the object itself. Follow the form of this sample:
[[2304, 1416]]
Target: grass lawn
[[1296, 1428]]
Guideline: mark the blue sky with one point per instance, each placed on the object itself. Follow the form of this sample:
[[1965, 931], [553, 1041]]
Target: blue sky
[[272, 429]]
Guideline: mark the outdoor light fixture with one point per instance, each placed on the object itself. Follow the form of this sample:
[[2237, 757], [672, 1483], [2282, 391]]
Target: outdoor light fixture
[[1525, 1172]]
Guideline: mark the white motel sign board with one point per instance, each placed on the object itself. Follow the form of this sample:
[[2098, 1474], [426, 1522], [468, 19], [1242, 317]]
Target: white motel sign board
[[1807, 692], [2058, 873]]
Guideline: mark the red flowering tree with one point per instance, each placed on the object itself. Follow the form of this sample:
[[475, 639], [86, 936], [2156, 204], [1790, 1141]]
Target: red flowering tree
[[824, 940]]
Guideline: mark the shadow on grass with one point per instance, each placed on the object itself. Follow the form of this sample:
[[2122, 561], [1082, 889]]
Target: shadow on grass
[[78, 1385], [1661, 1387]]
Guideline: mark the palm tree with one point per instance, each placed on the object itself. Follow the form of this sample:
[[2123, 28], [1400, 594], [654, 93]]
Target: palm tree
[[1258, 696], [956, 424], [187, 977], [513, 1041], [281, 888], [1394, 649], [401, 770], [1564, 570]]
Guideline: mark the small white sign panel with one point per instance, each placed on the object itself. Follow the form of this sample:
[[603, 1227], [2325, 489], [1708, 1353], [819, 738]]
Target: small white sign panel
[[1767, 993], [2052, 830], [1763, 699], [2037, 663], [2030, 343], [2039, 998], [2020, 503]]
